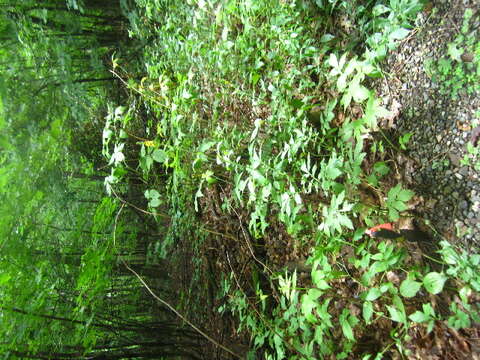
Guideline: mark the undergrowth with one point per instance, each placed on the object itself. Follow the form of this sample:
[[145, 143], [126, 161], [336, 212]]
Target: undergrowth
[[269, 102]]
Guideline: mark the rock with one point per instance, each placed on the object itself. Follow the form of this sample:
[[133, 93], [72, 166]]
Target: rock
[[454, 158], [476, 206], [463, 170]]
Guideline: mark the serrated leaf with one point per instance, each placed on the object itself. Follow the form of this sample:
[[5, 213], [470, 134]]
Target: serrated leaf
[[314, 294], [332, 172], [393, 214], [393, 192], [309, 302], [409, 288], [346, 327], [367, 311], [434, 282], [399, 205]]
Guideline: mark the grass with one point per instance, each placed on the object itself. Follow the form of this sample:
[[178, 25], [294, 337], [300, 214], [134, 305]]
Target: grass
[[256, 115]]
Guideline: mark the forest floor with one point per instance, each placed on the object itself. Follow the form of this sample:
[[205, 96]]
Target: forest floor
[[449, 190]]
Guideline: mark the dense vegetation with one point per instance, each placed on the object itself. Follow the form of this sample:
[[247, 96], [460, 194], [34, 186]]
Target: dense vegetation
[[220, 158]]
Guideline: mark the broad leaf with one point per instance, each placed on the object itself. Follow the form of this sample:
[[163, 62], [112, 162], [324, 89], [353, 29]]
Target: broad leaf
[[409, 288], [434, 282]]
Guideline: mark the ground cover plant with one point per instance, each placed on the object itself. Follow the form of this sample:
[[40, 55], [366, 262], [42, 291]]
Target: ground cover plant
[[242, 158], [460, 67]]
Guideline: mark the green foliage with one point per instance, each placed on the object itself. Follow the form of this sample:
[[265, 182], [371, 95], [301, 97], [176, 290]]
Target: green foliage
[[472, 158], [404, 139], [397, 201], [245, 115], [261, 105], [459, 70]]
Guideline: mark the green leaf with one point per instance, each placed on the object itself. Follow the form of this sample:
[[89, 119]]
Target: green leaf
[[399, 205], [346, 327], [418, 317], [373, 294], [117, 156], [395, 314], [367, 311], [405, 195], [379, 10], [148, 161], [319, 281], [434, 282], [309, 302], [152, 194], [454, 52], [4, 278], [359, 92], [399, 34], [206, 146], [154, 202], [159, 156], [393, 214], [326, 38], [409, 288], [393, 192], [314, 294], [381, 168], [332, 60]]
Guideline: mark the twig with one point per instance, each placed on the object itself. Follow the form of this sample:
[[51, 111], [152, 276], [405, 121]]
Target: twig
[[115, 224], [228, 236], [136, 137]]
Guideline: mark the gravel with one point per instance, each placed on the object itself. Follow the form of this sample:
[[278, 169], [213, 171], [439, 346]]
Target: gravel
[[441, 126]]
